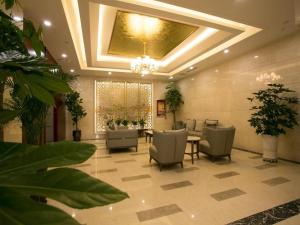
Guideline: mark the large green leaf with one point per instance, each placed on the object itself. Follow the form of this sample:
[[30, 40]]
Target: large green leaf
[[41, 94], [45, 156], [69, 186], [8, 115], [17, 209], [51, 83], [10, 150]]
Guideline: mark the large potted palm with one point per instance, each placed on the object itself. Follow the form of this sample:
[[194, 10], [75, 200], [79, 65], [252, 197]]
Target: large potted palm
[[31, 82], [73, 103], [173, 99], [273, 114]]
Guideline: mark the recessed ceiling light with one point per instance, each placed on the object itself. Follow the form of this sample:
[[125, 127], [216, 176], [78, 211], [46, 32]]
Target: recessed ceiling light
[[64, 55], [47, 23], [72, 71], [171, 77], [217, 71], [17, 18], [109, 73], [191, 67], [226, 51], [256, 56], [110, 208]]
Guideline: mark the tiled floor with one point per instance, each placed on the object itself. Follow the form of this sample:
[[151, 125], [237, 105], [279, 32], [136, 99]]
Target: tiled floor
[[202, 193]]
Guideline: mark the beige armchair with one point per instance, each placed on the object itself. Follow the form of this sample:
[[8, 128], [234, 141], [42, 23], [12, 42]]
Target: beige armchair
[[217, 142], [168, 147], [121, 139]]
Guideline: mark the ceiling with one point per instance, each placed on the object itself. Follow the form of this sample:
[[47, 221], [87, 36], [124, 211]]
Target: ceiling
[[134, 35], [102, 36]]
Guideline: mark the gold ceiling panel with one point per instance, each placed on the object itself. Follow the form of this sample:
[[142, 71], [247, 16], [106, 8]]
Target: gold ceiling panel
[[160, 36]]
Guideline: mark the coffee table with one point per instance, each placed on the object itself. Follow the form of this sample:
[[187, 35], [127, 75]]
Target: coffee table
[[193, 140], [148, 133]]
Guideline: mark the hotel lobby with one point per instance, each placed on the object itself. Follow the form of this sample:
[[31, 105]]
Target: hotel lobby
[[155, 112]]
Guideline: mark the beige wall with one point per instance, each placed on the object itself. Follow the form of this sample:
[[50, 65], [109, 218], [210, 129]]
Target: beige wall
[[222, 95], [85, 86]]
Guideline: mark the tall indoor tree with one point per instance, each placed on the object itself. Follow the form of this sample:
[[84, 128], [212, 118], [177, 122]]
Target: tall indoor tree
[[173, 99]]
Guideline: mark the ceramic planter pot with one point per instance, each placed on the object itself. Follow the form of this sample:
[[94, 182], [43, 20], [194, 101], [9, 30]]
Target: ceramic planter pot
[[76, 135], [269, 147]]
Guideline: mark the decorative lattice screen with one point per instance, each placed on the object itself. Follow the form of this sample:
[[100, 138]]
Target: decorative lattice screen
[[124, 100]]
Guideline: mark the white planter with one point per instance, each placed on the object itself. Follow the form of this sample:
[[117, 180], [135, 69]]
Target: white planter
[[269, 147]]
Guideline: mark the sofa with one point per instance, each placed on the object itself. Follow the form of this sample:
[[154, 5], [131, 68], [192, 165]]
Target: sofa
[[124, 138], [217, 142], [168, 147]]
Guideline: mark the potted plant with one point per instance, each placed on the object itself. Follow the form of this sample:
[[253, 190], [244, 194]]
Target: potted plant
[[142, 123], [125, 123], [134, 123], [273, 114], [110, 123], [118, 122], [173, 99], [73, 103]]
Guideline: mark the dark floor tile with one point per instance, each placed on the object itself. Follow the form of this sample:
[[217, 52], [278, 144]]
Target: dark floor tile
[[138, 177], [276, 181], [125, 160], [103, 157], [158, 212], [171, 186], [226, 174], [220, 196], [106, 171]]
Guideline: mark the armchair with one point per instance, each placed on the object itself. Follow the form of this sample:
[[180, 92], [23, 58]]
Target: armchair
[[217, 142], [168, 147]]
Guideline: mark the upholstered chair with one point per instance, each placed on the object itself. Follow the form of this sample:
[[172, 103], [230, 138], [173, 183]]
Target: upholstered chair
[[168, 147], [217, 141]]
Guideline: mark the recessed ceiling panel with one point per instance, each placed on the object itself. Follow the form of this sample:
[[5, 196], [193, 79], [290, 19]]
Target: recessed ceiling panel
[[135, 33]]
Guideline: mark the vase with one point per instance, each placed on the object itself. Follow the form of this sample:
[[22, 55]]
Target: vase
[[269, 147], [76, 135]]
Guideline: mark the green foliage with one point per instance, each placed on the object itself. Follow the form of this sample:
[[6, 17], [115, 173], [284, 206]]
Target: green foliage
[[134, 122], [73, 103], [118, 121], [8, 3], [142, 122], [19, 181], [173, 99], [274, 111], [125, 123]]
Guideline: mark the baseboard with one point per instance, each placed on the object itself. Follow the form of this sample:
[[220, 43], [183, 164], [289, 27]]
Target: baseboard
[[257, 153]]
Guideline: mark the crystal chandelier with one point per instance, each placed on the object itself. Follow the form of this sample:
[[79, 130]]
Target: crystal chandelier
[[268, 78], [144, 65]]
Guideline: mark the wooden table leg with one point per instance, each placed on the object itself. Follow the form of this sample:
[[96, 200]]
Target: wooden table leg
[[192, 146], [146, 135]]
